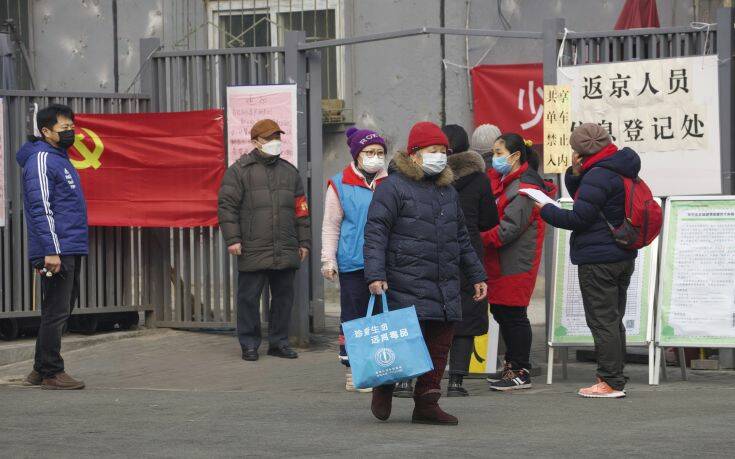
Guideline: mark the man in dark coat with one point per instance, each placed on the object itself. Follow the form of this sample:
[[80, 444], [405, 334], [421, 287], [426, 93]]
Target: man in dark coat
[[264, 219], [596, 183], [480, 213], [416, 245]]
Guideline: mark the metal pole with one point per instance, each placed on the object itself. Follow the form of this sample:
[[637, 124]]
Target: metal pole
[[725, 51], [147, 71], [551, 31], [316, 189], [295, 67]]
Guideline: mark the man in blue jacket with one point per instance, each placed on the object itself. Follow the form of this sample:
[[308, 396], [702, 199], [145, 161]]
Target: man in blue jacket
[[56, 218], [596, 182]]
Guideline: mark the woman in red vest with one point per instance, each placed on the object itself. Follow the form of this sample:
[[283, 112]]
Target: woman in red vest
[[513, 253]]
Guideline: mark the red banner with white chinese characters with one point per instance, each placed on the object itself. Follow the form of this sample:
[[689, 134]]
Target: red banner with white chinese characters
[[510, 97]]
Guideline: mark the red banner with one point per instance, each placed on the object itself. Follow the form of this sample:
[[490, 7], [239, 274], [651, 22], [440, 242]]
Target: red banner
[[151, 169], [510, 97]]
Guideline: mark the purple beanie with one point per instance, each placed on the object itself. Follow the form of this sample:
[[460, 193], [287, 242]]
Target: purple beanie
[[358, 139]]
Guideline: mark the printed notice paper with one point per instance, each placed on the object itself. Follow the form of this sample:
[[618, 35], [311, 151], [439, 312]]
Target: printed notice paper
[[538, 196], [697, 297], [247, 105]]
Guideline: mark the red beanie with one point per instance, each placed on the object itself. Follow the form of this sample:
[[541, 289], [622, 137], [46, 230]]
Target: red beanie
[[425, 134]]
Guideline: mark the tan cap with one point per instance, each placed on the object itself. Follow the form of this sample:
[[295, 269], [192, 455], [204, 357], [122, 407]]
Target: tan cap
[[264, 128], [589, 138]]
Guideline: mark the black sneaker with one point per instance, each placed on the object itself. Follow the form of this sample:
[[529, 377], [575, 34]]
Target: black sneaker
[[250, 354], [404, 389], [283, 352], [455, 389], [513, 380], [497, 376]]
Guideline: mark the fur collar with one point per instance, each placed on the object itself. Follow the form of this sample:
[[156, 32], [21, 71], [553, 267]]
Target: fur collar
[[413, 171], [466, 163]]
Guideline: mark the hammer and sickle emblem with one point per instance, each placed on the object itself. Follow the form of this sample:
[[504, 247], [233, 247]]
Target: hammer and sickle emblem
[[91, 158]]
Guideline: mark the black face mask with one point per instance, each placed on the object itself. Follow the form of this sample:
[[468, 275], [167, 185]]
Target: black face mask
[[66, 139]]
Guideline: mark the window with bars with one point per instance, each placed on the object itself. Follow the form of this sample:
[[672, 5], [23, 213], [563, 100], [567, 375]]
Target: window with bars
[[245, 24]]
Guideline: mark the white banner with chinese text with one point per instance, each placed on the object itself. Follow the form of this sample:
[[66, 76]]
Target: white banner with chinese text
[[667, 110]]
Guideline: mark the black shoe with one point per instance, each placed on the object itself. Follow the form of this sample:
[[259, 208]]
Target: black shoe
[[455, 388], [283, 352], [497, 376], [404, 389], [250, 354], [519, 379]]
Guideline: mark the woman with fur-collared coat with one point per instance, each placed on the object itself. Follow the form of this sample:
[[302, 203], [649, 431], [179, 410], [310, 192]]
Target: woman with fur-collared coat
[[416, 245], [480, 214]]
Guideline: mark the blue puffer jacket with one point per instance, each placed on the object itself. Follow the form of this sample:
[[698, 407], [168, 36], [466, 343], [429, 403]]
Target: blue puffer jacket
[[599, 188], [55, 210], [417, 241]]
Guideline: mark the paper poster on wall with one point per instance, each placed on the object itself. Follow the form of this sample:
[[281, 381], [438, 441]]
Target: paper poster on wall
[[697, 283], [246, 105], [568, 319], [557, 128], [667, 110], [2, 162]]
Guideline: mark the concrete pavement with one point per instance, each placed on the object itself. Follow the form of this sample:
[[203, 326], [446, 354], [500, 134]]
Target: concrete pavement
[[183, 394]]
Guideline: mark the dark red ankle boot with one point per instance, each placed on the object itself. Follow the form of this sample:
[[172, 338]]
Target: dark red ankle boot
[[382, 401], [427, 411]]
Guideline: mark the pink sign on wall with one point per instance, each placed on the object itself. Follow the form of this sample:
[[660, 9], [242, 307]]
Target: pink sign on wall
[[246, 105]]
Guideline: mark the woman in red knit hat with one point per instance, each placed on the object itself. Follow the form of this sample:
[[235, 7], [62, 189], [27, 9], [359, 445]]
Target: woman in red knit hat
[[416, 245]]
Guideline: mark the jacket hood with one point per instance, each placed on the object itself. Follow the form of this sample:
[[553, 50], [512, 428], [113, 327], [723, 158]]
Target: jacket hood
[[466, 163], [31, 148], [625, 162], [403, 164], [533, 178]]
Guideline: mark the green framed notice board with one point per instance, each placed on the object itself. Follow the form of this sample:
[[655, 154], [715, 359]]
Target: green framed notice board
[[696, 305], [569, 326]]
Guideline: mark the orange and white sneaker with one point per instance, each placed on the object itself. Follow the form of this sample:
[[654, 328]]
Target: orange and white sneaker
[[601, 390]]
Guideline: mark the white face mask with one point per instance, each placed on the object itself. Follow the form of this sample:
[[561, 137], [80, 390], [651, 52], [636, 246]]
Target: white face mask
[[434, 163], [272, 148], [373, 165]]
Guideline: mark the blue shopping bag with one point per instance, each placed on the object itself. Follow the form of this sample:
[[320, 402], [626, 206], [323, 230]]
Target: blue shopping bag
[[386, 348]]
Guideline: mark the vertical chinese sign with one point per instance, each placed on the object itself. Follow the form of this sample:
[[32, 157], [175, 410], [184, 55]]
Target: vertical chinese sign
[[247, 105], [2, 162], [557, 128], [667, 110]]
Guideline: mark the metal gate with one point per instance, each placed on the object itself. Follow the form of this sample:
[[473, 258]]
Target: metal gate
[[198, 275], [113, 277]]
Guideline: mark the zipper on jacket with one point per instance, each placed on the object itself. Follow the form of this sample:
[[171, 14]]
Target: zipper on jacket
[[438, 258]]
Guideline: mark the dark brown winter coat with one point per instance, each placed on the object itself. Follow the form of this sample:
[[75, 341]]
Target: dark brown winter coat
[[262, 205]]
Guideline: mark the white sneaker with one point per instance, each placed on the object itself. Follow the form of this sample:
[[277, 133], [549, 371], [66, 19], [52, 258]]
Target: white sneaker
[[350, 386]]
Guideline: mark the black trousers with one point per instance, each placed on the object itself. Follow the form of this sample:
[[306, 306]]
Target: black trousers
[[249, 290], [460, 354], [59, 295], [604, 294], [515, 329], [354, 296]]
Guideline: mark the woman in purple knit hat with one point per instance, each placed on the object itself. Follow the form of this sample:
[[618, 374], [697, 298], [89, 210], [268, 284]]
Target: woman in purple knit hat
[[348, 198]]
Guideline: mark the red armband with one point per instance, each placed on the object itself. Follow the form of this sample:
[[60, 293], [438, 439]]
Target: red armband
[[302, 208]]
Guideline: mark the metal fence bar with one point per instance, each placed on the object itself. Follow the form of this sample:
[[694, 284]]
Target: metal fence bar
[[726, 52], [106, 277]]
